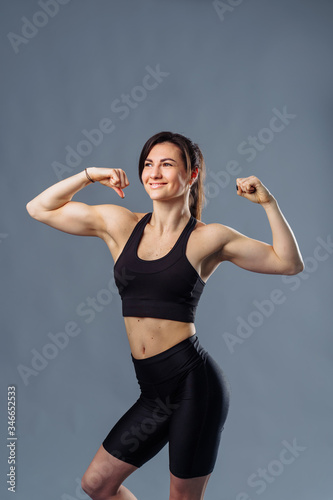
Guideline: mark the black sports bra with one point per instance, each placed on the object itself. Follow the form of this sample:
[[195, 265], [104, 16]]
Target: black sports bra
[[167, 288]]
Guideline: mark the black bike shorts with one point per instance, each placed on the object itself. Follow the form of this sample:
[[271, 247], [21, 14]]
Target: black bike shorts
[[184, 400]]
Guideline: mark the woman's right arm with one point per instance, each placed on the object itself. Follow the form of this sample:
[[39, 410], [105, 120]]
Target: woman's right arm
[[55, 208]]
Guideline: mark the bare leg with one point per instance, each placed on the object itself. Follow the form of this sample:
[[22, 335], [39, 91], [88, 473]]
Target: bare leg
[[188, 489], [104, 476]]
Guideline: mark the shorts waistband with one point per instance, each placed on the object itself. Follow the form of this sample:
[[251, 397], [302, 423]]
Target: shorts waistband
[[164, 354], [171, 362]]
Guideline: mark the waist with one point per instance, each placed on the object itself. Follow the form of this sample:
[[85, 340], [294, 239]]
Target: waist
[[170, 363], [148, 336]]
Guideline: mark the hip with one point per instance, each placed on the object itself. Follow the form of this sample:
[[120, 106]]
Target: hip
[[185, 368]]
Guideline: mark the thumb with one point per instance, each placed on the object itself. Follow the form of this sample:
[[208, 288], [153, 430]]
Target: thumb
[[119, 191]]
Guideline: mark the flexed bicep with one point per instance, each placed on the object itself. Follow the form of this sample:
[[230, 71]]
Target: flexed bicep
[[54, 206], [75, 218], [251, 254]]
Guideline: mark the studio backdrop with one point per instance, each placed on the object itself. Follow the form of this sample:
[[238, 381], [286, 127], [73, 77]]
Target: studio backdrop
[[86, 83]]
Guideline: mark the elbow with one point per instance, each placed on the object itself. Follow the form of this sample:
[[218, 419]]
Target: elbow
[[31, 209], [296, 268]]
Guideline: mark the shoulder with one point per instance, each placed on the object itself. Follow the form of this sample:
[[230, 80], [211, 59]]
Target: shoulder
[[117, 214], [212, 237], [213, 231], [118, 221]]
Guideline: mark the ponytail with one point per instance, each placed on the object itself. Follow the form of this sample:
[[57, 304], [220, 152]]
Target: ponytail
[[197, 193]]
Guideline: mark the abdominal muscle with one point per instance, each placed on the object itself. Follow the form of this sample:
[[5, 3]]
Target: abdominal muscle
[[150, 336]]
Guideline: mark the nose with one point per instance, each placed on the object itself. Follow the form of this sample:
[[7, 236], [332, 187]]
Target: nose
[[155, 172]]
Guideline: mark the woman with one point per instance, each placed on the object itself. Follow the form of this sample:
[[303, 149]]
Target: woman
[[162, 262]]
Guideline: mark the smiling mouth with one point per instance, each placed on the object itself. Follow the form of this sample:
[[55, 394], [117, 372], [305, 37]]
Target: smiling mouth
[[157, 184]]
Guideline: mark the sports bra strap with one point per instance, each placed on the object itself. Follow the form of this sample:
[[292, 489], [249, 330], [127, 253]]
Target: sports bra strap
[[135, 235], [186, 234], [179, 247]]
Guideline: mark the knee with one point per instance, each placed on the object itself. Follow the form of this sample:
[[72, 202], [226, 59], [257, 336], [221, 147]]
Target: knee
[[180, 491], [188, 488], [92, 483], [182, 496]]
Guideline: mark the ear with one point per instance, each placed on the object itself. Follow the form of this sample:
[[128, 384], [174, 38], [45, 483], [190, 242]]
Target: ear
[[194, 174]]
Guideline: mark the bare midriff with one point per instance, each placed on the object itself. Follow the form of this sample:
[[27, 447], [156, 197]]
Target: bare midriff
[[150, 336]]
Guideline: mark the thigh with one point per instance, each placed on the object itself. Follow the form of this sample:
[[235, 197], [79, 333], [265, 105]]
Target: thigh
[[140, 433], [196, 425], [105, 473]]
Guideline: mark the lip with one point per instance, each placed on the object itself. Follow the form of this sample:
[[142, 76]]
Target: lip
[[155, 185]]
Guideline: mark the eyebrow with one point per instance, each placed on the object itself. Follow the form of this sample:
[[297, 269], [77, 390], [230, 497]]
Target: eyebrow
[[163, 159]]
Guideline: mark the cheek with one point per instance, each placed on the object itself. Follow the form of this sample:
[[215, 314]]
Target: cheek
[[183, 180], [144, 175]]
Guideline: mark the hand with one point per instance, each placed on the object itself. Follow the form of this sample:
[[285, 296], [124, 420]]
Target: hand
[[253, 189], [114, 178]]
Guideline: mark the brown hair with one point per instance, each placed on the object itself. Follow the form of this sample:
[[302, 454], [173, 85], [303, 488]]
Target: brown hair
[[192, 157]]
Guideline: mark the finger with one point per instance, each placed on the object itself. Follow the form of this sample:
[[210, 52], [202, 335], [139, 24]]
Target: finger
[[238, 187], [119, 191], [114, 179], [241, 185], [119, 178], [123, 179], [245, 192], [126, 179], [246, 181], [248, 187]]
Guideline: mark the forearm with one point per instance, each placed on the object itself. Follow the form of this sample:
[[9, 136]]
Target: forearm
[[284, 242], [59, 194]]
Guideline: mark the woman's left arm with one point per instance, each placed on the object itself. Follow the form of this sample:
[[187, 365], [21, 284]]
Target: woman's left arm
[[283, 256]]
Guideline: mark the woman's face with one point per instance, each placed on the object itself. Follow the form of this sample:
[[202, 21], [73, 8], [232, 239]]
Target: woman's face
[[164, 175]]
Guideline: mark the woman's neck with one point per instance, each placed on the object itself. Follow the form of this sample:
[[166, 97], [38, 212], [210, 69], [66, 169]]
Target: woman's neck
[[169, 216]]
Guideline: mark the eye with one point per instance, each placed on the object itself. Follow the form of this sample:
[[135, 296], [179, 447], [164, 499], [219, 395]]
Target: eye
[[167, 164], [147, 164]]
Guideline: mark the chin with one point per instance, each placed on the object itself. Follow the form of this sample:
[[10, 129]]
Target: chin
[[156, 196]]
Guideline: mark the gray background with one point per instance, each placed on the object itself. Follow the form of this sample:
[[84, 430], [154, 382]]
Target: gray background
[[226, 75]]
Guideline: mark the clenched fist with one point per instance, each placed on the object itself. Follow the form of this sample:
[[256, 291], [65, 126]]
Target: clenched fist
[[114, 178], [253, 189]]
